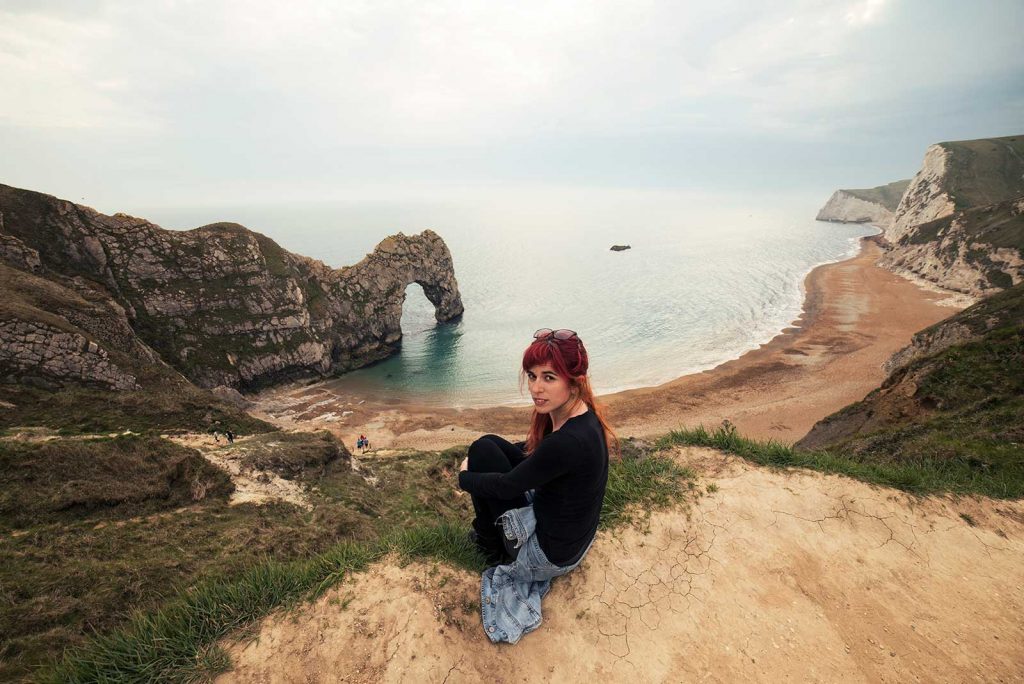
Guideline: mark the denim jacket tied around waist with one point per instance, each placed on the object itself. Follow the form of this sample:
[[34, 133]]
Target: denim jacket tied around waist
[[510, 595]]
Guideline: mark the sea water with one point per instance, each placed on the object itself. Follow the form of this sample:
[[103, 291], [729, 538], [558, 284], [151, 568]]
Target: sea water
[[707, 278]]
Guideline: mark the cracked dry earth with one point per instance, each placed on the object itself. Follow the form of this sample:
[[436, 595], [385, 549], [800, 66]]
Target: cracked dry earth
[[773, 576]]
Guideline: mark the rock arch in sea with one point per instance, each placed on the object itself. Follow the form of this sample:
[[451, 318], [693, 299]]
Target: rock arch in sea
[[221, 304]]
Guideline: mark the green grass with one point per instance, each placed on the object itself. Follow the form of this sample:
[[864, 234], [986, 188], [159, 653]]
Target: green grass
[[952, 421], [177, 643], [913, 472], [166, 406], [62, 480], [966, 374], [985, 170], [640, 483], [176, 639]]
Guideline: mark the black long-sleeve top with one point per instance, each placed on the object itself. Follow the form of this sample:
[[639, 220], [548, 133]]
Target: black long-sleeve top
[[569, 471]]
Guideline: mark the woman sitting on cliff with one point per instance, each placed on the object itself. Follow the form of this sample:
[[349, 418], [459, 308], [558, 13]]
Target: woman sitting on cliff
[[538, 508]]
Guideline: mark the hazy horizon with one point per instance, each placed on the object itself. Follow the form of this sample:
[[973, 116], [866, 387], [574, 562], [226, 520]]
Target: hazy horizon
[[125, 105]]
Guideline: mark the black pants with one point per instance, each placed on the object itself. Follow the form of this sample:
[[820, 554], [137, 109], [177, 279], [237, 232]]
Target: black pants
[[492, 454]]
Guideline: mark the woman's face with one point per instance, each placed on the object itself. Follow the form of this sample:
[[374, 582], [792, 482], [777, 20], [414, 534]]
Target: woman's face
[[548, 389]]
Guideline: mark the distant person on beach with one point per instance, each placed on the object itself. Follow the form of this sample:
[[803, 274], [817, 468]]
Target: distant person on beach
[[538, 502]]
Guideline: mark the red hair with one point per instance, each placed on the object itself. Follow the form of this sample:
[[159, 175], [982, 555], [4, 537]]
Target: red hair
[[570, 361]]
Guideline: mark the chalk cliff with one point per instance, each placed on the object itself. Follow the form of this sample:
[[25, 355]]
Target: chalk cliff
[[928, 196], [975, 251], [869, 205], [960, 222], [221, 304]]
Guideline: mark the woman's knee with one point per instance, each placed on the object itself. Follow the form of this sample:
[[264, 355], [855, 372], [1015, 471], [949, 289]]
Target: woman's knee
[[485, 456]]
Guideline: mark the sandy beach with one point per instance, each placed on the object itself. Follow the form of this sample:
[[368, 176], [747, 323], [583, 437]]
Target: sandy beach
[[855, 316]]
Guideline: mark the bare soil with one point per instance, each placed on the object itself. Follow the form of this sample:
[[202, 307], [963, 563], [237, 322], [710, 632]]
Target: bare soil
[[769, 576], [252, 485]]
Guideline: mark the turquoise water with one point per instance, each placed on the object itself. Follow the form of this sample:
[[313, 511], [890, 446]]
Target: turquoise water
[[708, 278]]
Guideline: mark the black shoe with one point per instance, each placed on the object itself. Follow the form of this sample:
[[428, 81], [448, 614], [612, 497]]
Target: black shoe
[[490, 548]]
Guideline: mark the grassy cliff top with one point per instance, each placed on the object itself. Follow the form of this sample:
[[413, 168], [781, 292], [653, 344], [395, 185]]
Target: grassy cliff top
[[985, 171], [888, 195]]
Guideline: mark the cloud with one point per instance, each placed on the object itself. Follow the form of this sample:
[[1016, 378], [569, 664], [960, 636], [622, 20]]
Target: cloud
[[226, 90], [48, 75], [412, 72]]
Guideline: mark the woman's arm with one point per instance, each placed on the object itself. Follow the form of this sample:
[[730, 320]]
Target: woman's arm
[[552, 458]]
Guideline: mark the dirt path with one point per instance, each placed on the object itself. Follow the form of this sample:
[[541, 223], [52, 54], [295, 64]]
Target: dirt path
[[770, 576], [252, 485]]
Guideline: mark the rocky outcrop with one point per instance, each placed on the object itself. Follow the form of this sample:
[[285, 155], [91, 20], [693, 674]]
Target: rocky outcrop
[[843, 207], [960, 225], [13, 252], [928, 196], [37, 353], [225, 305], [975, 251], [57, 330], [872, 205]]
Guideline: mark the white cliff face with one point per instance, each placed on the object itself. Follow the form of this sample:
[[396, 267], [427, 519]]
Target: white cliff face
[[951, 255], [927, 198], [954, 224], [843, 207]]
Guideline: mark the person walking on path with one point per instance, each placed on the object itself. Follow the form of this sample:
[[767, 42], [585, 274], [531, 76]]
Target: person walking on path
[[538, 503]]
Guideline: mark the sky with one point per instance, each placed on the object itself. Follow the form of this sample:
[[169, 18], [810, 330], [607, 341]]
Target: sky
[[190, 103]]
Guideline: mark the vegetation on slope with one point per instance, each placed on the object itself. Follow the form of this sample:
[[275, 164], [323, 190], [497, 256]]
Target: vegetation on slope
[[987, 228], [914, 470], [56, 480], [955, 417], [1003, 310], [84, 410], [969, 422], [193, 573]]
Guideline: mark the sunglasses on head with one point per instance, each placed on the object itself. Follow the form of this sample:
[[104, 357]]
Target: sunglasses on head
[[560, 334]]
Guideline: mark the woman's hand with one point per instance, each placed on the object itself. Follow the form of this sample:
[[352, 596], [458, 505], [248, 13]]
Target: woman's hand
[[465, 464]]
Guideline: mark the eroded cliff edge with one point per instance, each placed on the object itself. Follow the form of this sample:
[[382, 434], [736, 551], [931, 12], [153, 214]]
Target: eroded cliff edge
[[221, 304]]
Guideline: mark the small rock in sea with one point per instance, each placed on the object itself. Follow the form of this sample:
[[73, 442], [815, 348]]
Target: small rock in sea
[[619, 248]]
